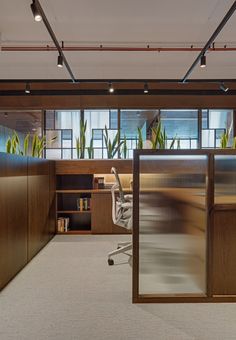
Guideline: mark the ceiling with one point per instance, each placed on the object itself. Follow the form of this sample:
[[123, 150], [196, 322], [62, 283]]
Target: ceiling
[[129, 23]]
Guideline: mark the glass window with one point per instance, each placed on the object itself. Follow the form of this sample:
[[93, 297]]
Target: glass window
[[23, 122], [182, 124], [214, 124], [130, 121]]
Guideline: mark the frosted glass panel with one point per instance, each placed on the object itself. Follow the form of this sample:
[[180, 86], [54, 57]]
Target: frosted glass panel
[[172, 225], [225, 179], [53, 154]]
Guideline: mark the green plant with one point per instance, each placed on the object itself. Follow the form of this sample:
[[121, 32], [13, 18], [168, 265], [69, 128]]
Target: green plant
[[159, 137], [234, 143], [38, 145], [13, 144], [90, 149], [125, 149], [178, 143], [81, 140], [173, 142], [112, 146], [224, 140], [140, 139], [26, 145]]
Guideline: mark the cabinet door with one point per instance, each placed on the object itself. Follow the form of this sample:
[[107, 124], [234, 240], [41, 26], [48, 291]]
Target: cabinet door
[[102, 215], [223, 238]]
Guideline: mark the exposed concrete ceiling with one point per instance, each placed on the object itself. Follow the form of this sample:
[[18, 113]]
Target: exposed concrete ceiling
[[117, 23]]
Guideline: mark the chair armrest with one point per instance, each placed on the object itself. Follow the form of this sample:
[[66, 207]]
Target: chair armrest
[[128, 197], [127, 205]]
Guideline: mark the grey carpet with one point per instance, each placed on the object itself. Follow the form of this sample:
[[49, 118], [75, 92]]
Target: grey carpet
[[69, 292]]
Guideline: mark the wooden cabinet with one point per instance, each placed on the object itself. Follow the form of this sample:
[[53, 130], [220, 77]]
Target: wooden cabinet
[[27, 213], [73, 203], [13, 215], [102, 215], [223, 247]]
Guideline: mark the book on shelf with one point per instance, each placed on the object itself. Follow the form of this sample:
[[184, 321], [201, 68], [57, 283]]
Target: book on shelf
[[83, 204], [63, 224]]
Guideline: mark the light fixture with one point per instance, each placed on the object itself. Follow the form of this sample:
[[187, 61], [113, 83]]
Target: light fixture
[[35, 11], [60, 61], [203, 61], [223, 87], [111, 88], [27, 88], [145, 89]]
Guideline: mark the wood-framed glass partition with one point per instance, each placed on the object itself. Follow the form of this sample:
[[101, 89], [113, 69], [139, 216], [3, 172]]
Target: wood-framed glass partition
[[181, 246]]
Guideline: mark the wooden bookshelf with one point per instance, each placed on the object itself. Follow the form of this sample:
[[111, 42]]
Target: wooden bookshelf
[[75, 232], [75, 180], [74, 212], [80, 191]]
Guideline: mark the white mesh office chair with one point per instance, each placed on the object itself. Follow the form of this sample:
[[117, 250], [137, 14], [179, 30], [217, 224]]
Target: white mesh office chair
[[122, 208]]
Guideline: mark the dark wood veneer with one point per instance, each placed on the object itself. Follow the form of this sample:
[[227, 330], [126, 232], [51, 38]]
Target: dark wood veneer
[[99, 166], [27, 211]]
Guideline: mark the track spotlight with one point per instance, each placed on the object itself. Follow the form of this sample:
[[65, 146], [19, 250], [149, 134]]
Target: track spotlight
[[111, 88], [223, 87], [145, 89], [27, 88], [35, 11], [60, 61], [203, 61]]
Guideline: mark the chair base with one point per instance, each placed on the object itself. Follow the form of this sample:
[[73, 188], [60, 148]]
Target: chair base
[[122, 248]]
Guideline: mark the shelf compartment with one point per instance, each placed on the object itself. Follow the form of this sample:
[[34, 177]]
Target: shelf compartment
[[74, 212], [69, 182], [74, 232], [68, 202], [78, 221]]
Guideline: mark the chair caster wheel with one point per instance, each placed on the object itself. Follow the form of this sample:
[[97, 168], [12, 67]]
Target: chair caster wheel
[[110, 262]]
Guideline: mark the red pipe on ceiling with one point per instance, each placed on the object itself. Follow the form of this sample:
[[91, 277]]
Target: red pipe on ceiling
[[111, 49]]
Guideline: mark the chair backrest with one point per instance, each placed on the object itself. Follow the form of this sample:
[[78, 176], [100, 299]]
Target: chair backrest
[[121, 208], [121, 192]]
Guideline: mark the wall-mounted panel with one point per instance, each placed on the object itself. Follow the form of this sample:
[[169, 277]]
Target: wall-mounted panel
[[13, 195]]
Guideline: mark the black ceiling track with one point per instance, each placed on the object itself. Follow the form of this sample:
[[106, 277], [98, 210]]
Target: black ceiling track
[[106, 81], [211, 40], [131, 92], [54, 39]]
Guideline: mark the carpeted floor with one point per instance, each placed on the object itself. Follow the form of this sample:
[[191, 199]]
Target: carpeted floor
[[69, 292]]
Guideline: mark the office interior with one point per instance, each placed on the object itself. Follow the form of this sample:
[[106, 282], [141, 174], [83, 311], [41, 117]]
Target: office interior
[[117, 170]]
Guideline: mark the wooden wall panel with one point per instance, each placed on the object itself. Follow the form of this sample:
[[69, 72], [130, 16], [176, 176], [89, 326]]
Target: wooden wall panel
[[38, 204], [52, 200], [101, 218], [27, 211], [223, 250], [118, 102], [13, 216], [3, 226], [101, 166]]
